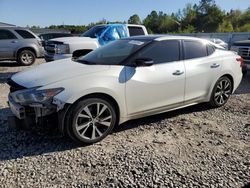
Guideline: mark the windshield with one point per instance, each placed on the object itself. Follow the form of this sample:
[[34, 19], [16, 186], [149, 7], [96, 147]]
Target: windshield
[[113, 53], [94, 31]]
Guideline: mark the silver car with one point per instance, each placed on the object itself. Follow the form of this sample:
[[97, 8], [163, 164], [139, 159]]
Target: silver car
[[19, 44], [219, 42]]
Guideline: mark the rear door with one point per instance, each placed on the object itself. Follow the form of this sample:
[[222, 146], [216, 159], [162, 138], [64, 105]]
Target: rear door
[[202, 68], [8, 44]]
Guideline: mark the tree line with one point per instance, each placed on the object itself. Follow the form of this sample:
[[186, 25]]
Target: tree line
[[206, 16]]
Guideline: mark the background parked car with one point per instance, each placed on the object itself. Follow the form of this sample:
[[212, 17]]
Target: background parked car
[[19, 44], [47, 36], [219, 42], [95, 37], [243, 49]]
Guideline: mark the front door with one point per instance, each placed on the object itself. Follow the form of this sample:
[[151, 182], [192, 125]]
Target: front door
[[159, 86]]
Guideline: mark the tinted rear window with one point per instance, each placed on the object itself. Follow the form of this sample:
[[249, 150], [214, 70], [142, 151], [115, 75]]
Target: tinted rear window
[[134, 31], [25, 34], [194, 49], [162, 52], [5, 34]]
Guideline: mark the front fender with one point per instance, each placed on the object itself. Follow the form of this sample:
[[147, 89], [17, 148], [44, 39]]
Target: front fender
[[118, 96], [102, 83]]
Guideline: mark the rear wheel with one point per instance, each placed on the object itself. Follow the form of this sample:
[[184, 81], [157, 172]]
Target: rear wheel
[[26, 57], [221, 92], [90, 120]]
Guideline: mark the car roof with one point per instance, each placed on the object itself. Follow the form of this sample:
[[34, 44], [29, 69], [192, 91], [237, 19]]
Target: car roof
[[54, 33], [13, 28], [163, 37], [118, 24]]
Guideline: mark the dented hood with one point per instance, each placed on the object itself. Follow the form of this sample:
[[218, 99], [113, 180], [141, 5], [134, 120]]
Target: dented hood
[[67, 40], [52, 72]]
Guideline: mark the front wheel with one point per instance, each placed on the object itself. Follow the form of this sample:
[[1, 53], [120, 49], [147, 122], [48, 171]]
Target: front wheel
[[90, 120], [221, 92]]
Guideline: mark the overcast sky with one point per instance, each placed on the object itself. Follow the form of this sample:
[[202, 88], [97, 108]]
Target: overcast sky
[[80, 12]]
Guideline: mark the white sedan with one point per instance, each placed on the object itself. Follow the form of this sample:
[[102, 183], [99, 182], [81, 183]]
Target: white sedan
[[124, 80]]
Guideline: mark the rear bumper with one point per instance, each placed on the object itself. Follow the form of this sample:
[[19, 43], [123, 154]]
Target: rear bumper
[[53, 57], [40, 52], [237, 80]]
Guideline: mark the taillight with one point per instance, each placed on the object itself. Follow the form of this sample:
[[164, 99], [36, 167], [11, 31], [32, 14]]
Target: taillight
[[241, 61]]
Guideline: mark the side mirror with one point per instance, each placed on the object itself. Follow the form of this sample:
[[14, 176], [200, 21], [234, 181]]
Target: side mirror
[[144, 62]]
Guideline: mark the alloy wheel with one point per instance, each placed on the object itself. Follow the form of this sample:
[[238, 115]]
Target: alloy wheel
[[27, 58], [222, 92], [93, 121]]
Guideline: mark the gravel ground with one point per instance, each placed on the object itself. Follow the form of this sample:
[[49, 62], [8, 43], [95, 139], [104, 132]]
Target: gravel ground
[[192, 147]]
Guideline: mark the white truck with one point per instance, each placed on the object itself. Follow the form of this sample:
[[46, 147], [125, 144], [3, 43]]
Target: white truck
[[60, 48]]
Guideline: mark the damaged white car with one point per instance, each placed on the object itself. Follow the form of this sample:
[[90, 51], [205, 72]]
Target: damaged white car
[[124, 80]]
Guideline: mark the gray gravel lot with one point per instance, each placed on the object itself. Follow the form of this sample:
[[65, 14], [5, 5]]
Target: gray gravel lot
[[192, 147]]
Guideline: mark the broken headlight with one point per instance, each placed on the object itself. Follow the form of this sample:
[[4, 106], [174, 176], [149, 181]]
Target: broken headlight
[[34, 95]]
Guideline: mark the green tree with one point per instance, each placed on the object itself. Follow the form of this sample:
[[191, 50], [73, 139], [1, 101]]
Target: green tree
[[189, 29], [161, 23], [135, 19], [151, 22], [245, 17], [205, 16], [209, 16], [167, 23], [234, 17], [189, 18], [225, 27], [245, 28]]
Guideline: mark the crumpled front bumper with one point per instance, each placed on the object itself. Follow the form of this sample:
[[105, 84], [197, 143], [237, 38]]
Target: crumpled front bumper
[[17, 109], [35, 110], [34, 115]]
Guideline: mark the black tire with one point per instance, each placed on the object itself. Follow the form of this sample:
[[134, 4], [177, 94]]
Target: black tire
[[73, 121], [244, 73], [26, 57], [221, 92]]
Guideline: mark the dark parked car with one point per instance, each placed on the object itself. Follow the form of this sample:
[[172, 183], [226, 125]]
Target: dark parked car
[[243, 49], [244, 69], [47, 36], [19, 44]]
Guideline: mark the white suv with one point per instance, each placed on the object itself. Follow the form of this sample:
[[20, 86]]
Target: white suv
[[124, 80]]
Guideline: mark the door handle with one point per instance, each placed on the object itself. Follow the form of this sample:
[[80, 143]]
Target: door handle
[[215, 65], [14, 41], [178, 72]]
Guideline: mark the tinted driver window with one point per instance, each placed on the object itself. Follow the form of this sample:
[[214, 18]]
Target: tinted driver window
[[4, 34], [194, 49], [162, 52]]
